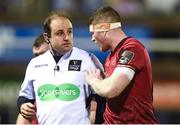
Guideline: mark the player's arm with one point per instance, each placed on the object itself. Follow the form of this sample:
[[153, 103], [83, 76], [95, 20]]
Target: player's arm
[[26, 97], [28, 110], [113, 85], [26, 107], [22, 120], [93, 107]]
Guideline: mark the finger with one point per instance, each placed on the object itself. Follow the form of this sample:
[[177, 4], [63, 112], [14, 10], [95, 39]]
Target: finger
[[27, 116], [31, 106], [31, 111], [93, 72], [98, 73], [28, 107], [27, 112]]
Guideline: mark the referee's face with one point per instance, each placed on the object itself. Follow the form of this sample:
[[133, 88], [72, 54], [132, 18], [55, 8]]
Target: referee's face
[[61, 35]]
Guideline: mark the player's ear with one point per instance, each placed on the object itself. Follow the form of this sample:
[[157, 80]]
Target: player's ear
[[46, 37]]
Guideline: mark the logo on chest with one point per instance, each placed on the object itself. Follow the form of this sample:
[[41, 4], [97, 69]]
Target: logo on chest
[[63, 92], [74, 65]]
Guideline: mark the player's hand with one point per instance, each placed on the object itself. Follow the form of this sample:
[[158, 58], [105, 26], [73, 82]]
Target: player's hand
[[92, 74], [28, 110]]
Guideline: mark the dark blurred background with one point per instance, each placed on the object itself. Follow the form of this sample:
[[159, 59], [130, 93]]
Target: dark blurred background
[[155, 22]]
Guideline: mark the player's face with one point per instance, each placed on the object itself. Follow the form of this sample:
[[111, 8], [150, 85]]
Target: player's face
[[100, 39], [41, 49], [61, 35]]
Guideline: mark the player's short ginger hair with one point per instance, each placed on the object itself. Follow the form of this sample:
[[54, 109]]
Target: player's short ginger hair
[[105, 15], [39, 41]]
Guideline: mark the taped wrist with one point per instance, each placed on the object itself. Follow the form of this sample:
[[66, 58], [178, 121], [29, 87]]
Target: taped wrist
[[21, 100]]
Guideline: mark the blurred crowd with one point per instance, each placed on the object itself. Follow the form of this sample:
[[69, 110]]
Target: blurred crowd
[[163, 27], [82, 8]]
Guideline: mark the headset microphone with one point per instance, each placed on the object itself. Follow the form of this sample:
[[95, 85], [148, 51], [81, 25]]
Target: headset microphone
[[57, 68], [53, 51]]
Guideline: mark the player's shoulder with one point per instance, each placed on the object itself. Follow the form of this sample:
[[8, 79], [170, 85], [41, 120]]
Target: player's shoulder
[[39, 59], [133, 41]]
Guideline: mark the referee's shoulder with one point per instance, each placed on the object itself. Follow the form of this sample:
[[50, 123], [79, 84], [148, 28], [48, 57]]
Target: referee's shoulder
[[81, 52]]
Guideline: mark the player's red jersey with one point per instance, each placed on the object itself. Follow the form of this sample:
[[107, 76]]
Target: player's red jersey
[[135, 103]]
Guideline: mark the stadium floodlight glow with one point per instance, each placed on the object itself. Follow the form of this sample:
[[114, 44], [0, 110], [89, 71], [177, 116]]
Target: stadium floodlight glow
[[103, 26]]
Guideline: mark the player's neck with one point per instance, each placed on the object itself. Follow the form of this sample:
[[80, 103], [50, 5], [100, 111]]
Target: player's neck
[[117, 38]]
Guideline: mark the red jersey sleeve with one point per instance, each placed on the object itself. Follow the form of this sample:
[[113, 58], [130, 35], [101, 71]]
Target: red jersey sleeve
[[132, 55]]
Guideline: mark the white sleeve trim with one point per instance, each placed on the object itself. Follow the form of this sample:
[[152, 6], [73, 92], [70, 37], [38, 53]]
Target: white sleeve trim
[[128, 71]]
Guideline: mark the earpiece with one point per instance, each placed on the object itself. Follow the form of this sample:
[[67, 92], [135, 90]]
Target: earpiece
[[47, 35], [48, 40]]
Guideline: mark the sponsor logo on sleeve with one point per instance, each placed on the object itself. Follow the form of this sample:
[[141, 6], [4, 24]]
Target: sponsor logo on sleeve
[[74, 65], [126, 57]]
